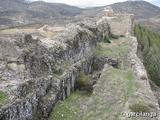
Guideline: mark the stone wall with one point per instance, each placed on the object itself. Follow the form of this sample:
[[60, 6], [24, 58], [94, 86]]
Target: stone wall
[[121, 24], [144, 92]]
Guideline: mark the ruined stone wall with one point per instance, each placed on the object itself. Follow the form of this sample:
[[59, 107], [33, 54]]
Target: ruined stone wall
[[121, 24]]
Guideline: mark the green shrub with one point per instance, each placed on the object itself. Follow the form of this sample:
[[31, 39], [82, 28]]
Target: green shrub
[[150, 46], [3, 97], [107, 40]]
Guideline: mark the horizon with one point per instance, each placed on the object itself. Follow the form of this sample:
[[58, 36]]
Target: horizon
[[94, 3]]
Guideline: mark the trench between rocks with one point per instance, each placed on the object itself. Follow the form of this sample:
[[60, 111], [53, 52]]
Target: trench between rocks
[[85, 81]]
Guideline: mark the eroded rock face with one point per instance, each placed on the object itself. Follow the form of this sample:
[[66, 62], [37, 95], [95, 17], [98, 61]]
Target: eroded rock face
[[38, 73]]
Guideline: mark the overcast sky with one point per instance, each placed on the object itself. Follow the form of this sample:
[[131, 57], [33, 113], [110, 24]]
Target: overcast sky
[[91, 3]]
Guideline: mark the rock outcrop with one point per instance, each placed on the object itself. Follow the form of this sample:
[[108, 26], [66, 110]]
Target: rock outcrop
[[38, 73]]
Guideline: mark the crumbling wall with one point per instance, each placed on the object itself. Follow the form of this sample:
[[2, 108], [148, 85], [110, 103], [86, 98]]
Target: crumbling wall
[[121, 24]]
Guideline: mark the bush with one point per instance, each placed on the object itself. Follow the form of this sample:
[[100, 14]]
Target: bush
[[84, 83], [107, 40]]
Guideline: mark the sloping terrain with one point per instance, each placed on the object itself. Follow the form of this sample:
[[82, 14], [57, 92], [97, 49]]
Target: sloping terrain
[[20, 12], [141, 9], [144, 12], [152, 23]]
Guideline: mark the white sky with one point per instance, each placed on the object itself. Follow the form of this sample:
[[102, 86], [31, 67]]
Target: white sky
[[91, 3]]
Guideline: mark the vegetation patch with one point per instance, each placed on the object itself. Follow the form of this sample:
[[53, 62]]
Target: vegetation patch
[[107, 40], [150, 46], [117, 49], [70, 108], [3, 97], [129, 84], [85, 82]]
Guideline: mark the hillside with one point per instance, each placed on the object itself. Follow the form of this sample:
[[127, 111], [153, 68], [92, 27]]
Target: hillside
[[145, 13], [19, 12], [152, 23], [141, 9]]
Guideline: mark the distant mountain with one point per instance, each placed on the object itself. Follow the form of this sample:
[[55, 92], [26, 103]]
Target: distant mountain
[[19, 12], [141, 9], [54, 9], [16, 12], [144, 12], [152, 23], [16, 5]]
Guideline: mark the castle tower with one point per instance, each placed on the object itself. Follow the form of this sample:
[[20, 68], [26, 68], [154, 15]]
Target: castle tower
[[108, 11]]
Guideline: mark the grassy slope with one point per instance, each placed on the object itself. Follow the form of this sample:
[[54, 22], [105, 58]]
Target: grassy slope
[[113, 93]]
